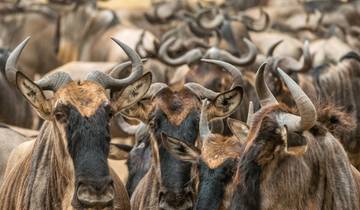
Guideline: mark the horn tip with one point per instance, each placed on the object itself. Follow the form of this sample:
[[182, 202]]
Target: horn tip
[[207, 60]]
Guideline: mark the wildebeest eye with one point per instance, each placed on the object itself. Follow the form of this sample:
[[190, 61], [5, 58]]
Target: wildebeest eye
[[61, 113], [141, 145], [109, 111], [60, 116]]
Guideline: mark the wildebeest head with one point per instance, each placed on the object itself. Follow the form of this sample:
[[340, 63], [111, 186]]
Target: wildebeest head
[[79, 114], [174, 111], [216, 161], [138, 157], [275, 132]]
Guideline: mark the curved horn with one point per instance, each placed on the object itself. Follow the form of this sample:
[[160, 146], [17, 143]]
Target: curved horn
[[272, 48], [218, 54], [117, 70], [54, 81], [250, 114], [255, 25], [201, 91], [188, 58], [291, 64], [154, 89], [109, 82], [209, 24], [308, 114], [262, 90], [194, 27], [169, 34], [195, 42], [126, 127], [51, 82], [204, 130], [10, 68], [235, 73]]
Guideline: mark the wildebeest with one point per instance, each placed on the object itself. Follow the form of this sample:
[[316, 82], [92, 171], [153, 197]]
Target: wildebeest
[[291, 161], [216, 161], [332, 84], [138, 157], [175, 112], [67, 166]]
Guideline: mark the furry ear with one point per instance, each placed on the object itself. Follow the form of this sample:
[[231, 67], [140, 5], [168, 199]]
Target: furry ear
[[139, 110], [34, 95], [180, 149], [225, 103], [295, 144], [119, 151], [133, 92], [239, 129]]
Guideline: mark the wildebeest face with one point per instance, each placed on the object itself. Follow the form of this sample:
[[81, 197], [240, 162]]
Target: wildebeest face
[[267, 144], [138, 158], [273, 139], [176, 114], [81, 112], [216, 165]]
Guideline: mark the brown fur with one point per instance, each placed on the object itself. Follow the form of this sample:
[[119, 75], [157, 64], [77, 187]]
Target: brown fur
[[321, 178], [85, 96], [338, 85], [338, 122], [217, 148], [176, 105], [257, 121]]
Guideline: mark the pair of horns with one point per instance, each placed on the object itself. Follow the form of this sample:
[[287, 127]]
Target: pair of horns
[[56, 80], [213, 53], [289, 63], [247, 59], [308, 114]]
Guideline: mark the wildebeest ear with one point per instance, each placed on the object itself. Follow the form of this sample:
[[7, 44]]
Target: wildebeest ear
[[225, 103], [239, 129], [119, 151], [34, 95], [295, 144], [139, 111], [133, 92], [180, 149]]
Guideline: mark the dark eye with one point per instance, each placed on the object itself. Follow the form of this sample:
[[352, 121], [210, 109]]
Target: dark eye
[[109, 111], [60, 116], [110, 114]]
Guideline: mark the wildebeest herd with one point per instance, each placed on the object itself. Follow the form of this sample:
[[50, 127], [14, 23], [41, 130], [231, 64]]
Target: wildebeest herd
[[230, 105]]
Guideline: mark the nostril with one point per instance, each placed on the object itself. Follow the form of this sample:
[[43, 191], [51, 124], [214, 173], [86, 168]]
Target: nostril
[[107, 184], [98, 192], [189, 194], [161, 195]]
